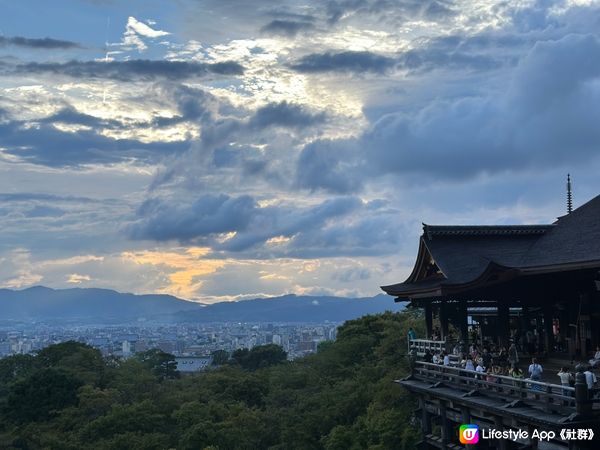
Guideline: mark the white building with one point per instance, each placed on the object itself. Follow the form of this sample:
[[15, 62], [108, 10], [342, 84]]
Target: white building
[[190, 364]]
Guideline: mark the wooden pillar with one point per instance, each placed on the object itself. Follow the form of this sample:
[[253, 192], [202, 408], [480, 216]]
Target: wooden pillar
[[533, 443], [444, 319], [584, 324], [445, 425], [573, 334], [429, 320], [548, 332], [425, 417], [498, 425], [466, 418], [503, 324], [464, 322]]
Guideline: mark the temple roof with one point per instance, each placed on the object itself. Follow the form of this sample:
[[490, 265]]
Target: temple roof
[[459, 257]]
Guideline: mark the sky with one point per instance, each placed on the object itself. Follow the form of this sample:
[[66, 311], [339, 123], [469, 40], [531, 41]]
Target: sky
[[232, 149]]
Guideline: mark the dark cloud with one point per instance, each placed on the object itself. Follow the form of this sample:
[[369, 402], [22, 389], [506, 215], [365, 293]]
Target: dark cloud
[[44, 43], [285, 114], [68, 114], [133, 70], [352, 274], [289, 28], [329, 165], [211, 214], [409, 9], [354, 62], [342, 225], [449, 53], [543, 116], [44, 144], [35, 196]]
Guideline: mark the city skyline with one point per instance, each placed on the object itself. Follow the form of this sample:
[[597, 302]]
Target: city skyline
[[227, 150]]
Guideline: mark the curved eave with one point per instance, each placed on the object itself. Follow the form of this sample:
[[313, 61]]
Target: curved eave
[[422, 255], [494, 273], [564, 267]]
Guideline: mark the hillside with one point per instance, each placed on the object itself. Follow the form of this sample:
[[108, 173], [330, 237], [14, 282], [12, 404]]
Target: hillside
[[103, 305], [291, 308], [42, 303]]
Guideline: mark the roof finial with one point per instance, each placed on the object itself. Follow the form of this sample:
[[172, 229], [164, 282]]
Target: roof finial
[[569, 195]]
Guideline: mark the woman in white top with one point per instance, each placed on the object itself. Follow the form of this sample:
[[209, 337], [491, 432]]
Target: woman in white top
[[595, 361], [565, 379], [469, 364], [480, 370]]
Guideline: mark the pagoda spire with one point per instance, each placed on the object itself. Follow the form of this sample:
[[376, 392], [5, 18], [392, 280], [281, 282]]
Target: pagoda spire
[[569, 195]]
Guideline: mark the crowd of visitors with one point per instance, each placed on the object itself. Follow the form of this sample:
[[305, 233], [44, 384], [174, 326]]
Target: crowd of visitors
[[492, 361]]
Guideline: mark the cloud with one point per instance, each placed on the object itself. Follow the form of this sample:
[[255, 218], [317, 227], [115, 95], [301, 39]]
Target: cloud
[[349, 61], [211, 214], [183, 268], [287, 28], [541, 116], [413, 9], [36, 43], [131, 70], [284, 114], [75, 278], [46, 145], [230, 225], [136, 30], [329, 165]]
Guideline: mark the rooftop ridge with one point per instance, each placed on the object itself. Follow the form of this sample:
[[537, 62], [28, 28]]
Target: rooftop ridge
[[484, 230]]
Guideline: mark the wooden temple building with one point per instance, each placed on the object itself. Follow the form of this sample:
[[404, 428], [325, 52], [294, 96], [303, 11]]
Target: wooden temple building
[[537, 286]]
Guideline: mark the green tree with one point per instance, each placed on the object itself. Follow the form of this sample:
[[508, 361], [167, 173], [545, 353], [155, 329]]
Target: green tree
[[42, 395], [259, 357], [162, 364], [84, 361], [220, 357], [15, 367]]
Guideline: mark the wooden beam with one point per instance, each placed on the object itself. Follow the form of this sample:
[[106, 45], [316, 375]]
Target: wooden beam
[[463, 320], [428, 320], [503, 324], [444, 319]]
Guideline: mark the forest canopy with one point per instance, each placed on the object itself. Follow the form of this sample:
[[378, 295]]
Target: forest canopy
[[69, 397]]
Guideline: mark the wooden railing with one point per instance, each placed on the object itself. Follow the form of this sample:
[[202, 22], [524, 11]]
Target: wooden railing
[[551, 397], [422, 345]]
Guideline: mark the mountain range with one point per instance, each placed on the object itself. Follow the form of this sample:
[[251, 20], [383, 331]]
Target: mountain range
[[39, 304]]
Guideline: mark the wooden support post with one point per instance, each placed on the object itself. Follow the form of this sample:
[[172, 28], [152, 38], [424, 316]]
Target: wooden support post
[[425, 417], [548, 331], [465, 416], [446, 438], [573, 332], [501, 443], [428, 320], [463, 320], [533, 443], [503, 324], [444, 319]]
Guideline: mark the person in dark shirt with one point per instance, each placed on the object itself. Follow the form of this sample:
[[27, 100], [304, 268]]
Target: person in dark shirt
[[427, 357], [487, 358]]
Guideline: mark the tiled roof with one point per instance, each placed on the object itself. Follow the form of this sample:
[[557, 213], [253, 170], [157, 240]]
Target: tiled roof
[[464, 253]]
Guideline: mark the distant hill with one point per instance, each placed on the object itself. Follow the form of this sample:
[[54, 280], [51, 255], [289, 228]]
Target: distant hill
[[291, 308], [103, 305], [42, 303]]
